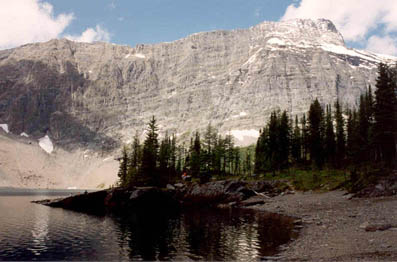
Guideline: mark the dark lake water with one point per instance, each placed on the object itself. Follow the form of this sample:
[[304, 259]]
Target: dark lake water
[[35, 232]]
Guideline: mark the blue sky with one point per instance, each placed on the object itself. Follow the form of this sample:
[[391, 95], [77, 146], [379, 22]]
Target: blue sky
[[365, 24], [150, 21]]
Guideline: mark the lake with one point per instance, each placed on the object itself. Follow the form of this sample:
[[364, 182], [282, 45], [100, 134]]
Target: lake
[[35, 232]]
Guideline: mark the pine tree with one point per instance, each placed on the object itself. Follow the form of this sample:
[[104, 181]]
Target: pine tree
[[150, 154], [385, 115], [284, 137], [122, 174], [340, 134], [273, 143], [305, 138], [296, 143], [260, 153], [316, 124], [164, 157], [330, 144], [195, 156], [134, 160]]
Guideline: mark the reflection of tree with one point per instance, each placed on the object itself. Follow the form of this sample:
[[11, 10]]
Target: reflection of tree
[[203, 234], [150, 235], [204, 231], [274, 230]]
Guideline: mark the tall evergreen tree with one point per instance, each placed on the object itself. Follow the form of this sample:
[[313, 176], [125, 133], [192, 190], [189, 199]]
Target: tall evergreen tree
[[296, 143], [273, 143], [195, 156], [284, 138], [150, 154], [316, 120], [122, 174], [340, 134], [134, 160], [260, 152], [305, 138], [330, 144], [385, 115]]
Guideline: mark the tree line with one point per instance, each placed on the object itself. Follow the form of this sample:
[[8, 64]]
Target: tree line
[[158, 162], [330, 137], [324, 137]]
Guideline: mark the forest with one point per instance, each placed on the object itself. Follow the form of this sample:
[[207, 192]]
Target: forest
[[356, 141]]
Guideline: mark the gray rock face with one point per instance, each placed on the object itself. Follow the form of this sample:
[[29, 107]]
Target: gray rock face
[[100, 94]]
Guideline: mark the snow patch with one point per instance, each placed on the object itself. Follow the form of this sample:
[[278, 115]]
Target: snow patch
[[338, 49], [240, 115], [107, 159], [127, 56], [5, 127], [243, 135], [140, 55], [275, 41], [72, 187], [46, 144], [24, 134], [253, 57]]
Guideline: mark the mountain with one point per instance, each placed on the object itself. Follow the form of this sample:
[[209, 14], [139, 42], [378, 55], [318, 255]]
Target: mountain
[[96, 95]]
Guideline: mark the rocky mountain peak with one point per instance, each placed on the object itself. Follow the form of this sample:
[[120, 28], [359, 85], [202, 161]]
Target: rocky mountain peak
[[301, 32], [102, 93]]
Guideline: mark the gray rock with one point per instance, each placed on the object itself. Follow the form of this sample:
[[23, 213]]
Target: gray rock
[[99, 94], [179, 185], [170, 187]]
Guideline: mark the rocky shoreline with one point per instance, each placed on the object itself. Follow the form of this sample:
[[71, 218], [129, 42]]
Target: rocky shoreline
[[332, 226], [337, 227]]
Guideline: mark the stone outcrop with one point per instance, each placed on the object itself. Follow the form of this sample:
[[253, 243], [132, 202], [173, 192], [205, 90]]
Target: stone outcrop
[[212, 194], [97, 95]]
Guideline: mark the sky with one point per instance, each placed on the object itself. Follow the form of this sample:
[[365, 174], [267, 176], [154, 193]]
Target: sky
[[365, 24]]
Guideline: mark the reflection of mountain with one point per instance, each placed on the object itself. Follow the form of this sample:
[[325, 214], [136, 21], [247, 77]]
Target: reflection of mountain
[[40, 230], [204, 235]]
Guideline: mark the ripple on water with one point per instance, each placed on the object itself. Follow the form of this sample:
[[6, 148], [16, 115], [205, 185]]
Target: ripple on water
[[35, 232]]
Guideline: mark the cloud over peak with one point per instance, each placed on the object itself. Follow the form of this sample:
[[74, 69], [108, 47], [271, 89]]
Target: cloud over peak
[[357, 20], [27, 21]]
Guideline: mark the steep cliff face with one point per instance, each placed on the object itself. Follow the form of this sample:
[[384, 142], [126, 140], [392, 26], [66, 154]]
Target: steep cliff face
[[97, 95]]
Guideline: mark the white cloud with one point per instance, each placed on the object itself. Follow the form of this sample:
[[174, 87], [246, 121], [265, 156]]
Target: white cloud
[[385, 45], [91, 35], [355, 19], [24, 21], [27, 21]]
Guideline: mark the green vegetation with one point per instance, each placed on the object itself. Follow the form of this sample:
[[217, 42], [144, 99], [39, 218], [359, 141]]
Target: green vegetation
[[321, 151], [159, 163]]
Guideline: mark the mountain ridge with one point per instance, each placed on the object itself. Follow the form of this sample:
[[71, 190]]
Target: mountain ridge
[[106, 92]]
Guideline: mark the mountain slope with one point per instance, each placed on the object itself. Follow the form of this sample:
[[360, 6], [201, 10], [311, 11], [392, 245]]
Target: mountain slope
[[97, 95]]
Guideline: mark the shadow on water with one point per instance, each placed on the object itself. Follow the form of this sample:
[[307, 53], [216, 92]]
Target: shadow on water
[[204, 234]]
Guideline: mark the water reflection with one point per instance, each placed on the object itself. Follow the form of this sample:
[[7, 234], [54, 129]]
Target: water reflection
[[35, 232], [40, 230], [203, 235]]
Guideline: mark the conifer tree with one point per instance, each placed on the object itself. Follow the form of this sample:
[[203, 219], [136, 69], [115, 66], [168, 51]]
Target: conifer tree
[[385, 115], [305, 138], [150, 154], [122, 174], [260, 153], [316, 120], [134, 160], [340, 134], [195, 156], [273, 143], [284, 137], [296, 143], [330, 144]]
